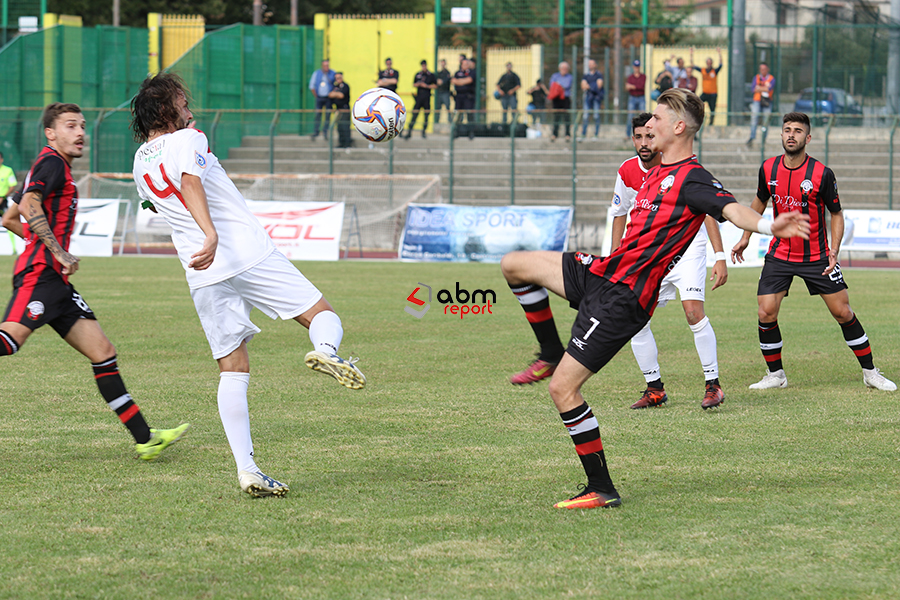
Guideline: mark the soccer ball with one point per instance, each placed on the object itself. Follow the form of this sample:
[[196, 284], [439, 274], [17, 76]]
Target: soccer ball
[[379, 115]]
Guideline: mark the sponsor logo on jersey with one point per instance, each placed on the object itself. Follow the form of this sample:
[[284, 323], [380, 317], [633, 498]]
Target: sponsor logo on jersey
[[584, 258], [773, 182], [717, 185], [616, 200], [806, 185], [201, 160], [35, 310], [667, 183]]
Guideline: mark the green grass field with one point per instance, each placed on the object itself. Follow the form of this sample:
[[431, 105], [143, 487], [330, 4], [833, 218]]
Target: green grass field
[[438, 480]]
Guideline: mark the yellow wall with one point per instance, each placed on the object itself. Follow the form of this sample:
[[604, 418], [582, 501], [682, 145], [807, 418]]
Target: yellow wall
[[358, 45], [657, 55], [526, 64], [179, 34]]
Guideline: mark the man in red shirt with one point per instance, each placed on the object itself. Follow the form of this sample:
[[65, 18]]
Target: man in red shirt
[[798, 183], [616, 295], [42, 294], [635, 84]]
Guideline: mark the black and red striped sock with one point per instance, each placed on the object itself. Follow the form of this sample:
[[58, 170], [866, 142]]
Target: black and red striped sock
[[536, 302], [585, 433], [8, 345], [112, 388], [770, 343], [858, 341]]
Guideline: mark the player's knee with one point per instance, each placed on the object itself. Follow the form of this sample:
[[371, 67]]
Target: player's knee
[[844, 314], [766, 316], [509, 266]]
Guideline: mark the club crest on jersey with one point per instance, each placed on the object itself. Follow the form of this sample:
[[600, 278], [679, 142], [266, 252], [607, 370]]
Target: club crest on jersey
[[667, 183], [616, 200], [201, 160], [773, 182], [35, 310], [584, 258], [806, 185], [717, 185]]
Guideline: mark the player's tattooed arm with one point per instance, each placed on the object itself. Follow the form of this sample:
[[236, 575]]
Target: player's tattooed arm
[[30, 207]]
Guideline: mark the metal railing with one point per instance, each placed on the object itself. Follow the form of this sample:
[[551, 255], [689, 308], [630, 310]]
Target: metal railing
[[512, 166]]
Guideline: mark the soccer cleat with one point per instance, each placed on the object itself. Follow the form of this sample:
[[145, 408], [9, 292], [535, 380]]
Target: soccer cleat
[[539, 369], [591, 499], [713, 397], [160, 439], [772, 380], [345, 371], [650, 398], [259, 485], [873, 378]]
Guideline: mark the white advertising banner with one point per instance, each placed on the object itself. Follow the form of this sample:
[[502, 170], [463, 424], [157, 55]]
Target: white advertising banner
[[95, 226], [301, 230]]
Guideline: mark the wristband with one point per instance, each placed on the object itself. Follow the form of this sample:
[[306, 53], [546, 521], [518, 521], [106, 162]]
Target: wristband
[[764, 226], [720, 256]]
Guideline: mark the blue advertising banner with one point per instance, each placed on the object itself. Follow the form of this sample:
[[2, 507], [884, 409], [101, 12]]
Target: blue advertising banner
[[453, 233]]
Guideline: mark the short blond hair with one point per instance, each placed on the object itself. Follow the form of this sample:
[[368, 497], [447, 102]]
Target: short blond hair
[[686, 106]]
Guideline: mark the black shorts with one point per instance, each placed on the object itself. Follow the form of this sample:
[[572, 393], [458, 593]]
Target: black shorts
[[778, 274], [609, 314], [41, 297], [424, 103]]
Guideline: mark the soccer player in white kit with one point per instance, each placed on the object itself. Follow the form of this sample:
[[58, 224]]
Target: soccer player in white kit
[[231, 263], [687, 276]]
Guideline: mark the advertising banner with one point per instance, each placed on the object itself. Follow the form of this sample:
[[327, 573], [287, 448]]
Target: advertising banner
[[453, 233], [301, 230], [95, 226]]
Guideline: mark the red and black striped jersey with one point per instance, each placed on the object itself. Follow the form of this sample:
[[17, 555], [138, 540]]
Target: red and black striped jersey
[[51, 177], [668, 212], [810, 189]]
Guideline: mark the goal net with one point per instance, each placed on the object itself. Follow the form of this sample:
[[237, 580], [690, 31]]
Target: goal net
[[374, 211]]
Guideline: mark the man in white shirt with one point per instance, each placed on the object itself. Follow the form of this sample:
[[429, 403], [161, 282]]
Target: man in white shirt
[[687, 277], [231, 262]]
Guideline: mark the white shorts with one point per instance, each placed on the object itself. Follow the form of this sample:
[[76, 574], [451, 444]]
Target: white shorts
[[688, 277], [274, 286]]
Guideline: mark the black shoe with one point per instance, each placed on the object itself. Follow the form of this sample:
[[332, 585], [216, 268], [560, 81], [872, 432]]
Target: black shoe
[[423, 134], [471, 135], [314, 136]]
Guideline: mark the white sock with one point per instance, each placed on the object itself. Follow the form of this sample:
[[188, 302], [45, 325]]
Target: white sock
[[325, 332], [643, 344], [235, 416], [705, 341]]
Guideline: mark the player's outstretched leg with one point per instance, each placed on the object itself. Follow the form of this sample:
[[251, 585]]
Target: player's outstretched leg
[[326, 333], [770, 344], [643, 345], [529, 276]]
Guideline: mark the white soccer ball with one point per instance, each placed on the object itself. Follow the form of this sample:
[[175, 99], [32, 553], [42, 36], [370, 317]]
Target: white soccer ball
[[379, 115]]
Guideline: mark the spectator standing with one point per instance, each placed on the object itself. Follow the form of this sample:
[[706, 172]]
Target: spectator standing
[[424, 82], [710, 89], [320, 85], [340, 95], [561, 96], [464, 82], [663, 82], [442, 92], [388, 77], [763, 91], [592, 86], [636, 85], [539, 93], [507, 87], [680, 75]]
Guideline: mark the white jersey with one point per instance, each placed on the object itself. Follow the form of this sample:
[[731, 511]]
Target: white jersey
[[158, 169], [629, 180]]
